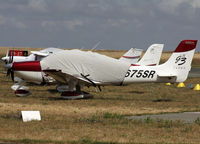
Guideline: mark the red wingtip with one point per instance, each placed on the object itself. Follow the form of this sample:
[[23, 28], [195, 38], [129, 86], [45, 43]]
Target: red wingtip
[[186, 45], [27, 66]]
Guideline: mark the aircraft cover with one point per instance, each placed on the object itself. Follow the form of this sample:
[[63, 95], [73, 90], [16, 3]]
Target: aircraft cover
[[98, 68]]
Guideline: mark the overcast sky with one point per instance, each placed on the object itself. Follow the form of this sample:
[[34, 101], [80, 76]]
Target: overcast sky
[[118, 24]]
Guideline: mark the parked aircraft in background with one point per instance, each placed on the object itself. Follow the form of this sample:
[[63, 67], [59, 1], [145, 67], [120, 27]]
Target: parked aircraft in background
[[20, 55], [15, 55], [132, 56], [151, 56], [77, 68]]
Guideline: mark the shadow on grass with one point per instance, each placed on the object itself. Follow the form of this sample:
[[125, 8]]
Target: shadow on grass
[[63, 99], [116, 98], [136, 92], [53, 91], [97, 98], [35, 141], [162, 100], [55, 98], [11, 116]]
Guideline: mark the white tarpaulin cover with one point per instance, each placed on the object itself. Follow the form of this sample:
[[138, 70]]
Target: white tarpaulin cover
[[100, 68]]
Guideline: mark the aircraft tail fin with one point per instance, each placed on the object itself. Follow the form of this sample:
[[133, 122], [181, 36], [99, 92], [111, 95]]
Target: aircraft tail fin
[[132, 56], [179, 64], [152, 55]]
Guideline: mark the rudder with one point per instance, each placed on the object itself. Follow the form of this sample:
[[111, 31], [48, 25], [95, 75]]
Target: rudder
[[179, 64]]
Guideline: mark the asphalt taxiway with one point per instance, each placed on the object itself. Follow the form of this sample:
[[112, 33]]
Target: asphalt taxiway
[[195, 72], [186, 117]]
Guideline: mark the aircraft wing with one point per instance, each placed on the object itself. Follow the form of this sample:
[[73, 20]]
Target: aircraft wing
[[40, 53], [46, 52], [61, 77]]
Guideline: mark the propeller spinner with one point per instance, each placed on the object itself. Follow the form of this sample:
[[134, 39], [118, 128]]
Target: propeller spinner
[[10, 71]]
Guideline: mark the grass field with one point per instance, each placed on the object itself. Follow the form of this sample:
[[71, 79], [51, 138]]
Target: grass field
[[101, 119]]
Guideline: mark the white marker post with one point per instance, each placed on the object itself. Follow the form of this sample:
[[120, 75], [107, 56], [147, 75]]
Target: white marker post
[[30, 115]]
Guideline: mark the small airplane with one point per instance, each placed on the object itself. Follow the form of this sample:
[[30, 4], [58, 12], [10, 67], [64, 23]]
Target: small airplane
[[79, 68], [41, 78], [152, 56]]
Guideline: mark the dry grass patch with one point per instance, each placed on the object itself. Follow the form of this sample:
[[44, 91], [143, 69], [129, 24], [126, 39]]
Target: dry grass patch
[[101, 119]]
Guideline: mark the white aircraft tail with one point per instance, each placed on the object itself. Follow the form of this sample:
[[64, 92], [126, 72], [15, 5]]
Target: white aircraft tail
[[179, 64], [152, 55], [132, 56]]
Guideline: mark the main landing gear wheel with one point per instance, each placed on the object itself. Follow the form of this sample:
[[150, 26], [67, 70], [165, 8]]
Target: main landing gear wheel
[[72, 95], [22, 93]]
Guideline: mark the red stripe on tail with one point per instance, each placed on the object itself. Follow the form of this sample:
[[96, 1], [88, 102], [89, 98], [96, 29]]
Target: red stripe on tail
[[186, 45]]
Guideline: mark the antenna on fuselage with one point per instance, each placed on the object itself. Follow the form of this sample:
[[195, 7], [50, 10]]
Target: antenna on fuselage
[[95, 46]]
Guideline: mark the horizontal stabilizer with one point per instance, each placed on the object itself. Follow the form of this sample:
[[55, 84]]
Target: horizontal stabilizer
[[166, 75]]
